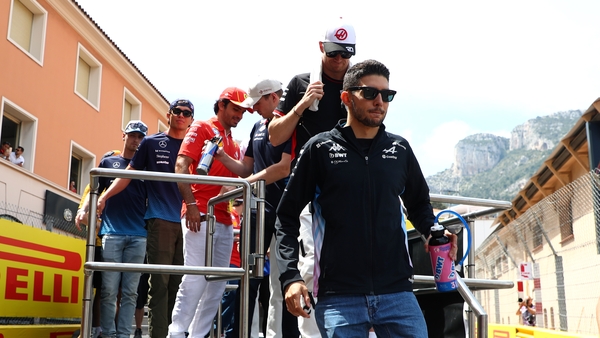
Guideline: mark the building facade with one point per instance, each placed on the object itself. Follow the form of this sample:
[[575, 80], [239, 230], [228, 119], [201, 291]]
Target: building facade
[[66, 93], [548, 243]]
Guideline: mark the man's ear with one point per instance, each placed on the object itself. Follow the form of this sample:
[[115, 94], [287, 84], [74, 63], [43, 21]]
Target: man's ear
[[345, 96], [321, 47]]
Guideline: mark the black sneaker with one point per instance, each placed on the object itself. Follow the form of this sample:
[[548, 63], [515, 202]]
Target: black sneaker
[[138, 333]]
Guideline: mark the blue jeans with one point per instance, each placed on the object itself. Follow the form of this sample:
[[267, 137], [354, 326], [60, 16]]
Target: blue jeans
[[390, 315], [120, 249]]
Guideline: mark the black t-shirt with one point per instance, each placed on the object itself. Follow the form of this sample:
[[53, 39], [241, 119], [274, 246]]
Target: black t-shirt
[[331, 109]]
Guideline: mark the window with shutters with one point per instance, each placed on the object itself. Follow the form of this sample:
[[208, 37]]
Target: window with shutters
[[132, 108], [88, 77], [27, 28]]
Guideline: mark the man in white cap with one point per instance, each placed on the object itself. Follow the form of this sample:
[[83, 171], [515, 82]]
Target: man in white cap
[[311, 105], [263, 161]]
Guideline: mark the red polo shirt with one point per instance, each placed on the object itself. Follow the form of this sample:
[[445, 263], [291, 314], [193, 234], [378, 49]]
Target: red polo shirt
[[192, 145]]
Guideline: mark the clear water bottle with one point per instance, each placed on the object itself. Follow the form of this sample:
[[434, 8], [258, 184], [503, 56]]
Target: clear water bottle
[[441, 264]]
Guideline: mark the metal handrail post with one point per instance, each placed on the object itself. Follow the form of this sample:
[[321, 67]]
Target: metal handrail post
[[210, 229], [259, 252], [482, 317], [90, 251], [244, 285], [470, 299], [471, 274]]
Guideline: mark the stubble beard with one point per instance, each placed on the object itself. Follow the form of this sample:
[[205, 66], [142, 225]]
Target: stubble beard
[[362, 116]]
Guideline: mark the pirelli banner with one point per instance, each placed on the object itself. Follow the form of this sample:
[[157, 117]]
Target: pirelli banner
[[41, 273]]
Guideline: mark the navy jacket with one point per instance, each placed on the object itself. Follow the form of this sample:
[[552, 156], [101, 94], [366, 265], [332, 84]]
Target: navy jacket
[[361, 246]]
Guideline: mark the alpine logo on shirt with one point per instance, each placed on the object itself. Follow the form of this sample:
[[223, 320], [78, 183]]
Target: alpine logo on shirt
[[389, 152]]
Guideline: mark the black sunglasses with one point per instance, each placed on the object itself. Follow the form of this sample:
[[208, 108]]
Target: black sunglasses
[[177, 111], [345, 55], [370, 93]]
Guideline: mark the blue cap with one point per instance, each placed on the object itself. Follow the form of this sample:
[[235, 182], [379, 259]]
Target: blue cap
[[182, 103]]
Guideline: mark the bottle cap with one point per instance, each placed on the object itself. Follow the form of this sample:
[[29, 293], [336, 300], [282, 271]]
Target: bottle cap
[[437, 227]]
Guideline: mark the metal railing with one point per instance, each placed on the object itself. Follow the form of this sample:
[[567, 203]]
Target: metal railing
[[226, 273], [478, 313], [212, 273]]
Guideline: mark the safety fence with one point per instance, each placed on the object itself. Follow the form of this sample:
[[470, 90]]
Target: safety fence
[[65, 226], [552, 252]]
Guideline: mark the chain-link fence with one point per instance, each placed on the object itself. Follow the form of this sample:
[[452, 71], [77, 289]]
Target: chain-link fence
[[559, 237], [65, 226]]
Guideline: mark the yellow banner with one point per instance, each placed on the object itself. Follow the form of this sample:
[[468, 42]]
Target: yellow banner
[[38, 331], [41, 273]]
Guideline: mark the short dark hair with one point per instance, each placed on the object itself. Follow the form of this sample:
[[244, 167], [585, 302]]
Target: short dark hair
[[4, 142], [362, 69], [22, 150], [279, 93], [216, 107]]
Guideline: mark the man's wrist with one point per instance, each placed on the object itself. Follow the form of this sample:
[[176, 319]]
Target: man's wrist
[[295, 111]]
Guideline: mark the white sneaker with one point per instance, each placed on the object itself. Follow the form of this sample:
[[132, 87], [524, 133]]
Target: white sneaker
[[96, 332]]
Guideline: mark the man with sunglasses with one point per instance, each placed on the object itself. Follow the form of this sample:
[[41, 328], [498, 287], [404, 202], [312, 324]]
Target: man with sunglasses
[[197, 299], [363, 269], [158, 152], [311, 105]]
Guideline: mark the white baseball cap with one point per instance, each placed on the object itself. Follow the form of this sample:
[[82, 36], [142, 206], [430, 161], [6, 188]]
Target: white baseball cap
[[260, 89], [340, 37]]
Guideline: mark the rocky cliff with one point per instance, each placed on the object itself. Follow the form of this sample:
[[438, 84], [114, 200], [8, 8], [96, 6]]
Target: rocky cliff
[[478, 153], [490, 166]]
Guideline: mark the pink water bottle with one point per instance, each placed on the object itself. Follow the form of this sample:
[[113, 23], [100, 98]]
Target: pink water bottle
[[442, 266]]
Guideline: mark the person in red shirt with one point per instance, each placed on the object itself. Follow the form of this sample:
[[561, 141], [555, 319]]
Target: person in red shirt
[[197, 300]]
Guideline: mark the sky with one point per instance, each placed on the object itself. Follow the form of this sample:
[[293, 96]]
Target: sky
[[460, 67]]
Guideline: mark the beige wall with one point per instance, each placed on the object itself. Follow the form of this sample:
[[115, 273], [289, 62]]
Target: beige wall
[[45, 90]]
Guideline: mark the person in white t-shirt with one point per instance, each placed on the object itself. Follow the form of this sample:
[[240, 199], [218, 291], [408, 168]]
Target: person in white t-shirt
[[16, 156]]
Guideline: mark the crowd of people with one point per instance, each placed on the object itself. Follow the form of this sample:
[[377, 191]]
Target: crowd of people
[[318, 141]]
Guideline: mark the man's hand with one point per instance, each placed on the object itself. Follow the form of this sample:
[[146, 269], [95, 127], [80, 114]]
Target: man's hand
[[80, 218], [314, 91], [100, 205], [293, 293], [192, 218], [454, 245], [219, 153]]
